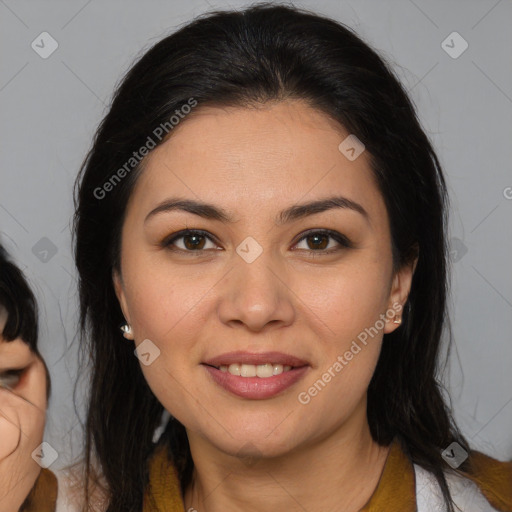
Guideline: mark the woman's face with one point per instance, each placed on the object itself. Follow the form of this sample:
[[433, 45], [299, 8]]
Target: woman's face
[[23, 402], [255, 285]]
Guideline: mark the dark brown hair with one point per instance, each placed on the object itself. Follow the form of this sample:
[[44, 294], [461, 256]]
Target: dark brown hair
[[246, 58], [20, 304]]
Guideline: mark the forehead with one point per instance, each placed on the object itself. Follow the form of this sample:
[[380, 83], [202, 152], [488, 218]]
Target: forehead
[[254, 158]]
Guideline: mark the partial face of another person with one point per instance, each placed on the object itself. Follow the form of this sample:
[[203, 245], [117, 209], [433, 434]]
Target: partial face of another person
[[22, 418], [295, 290]]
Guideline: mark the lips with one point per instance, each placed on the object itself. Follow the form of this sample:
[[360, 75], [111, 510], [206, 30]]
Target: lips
[[256, 387]]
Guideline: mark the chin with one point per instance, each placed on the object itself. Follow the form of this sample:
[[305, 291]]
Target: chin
[[255, 444], [251, 451]]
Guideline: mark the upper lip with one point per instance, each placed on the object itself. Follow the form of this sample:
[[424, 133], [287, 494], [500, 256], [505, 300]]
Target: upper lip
[[255, 358]]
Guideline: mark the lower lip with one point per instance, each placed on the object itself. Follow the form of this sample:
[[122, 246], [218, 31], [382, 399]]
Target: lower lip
[[256, 388]]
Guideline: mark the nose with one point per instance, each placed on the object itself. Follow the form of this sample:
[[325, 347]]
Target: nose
[[256, 296]]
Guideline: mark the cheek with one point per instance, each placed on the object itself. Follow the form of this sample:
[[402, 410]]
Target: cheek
[[172, 312], [9, 430], [349, 299], [348, 306], [169, 308], [337, 392]]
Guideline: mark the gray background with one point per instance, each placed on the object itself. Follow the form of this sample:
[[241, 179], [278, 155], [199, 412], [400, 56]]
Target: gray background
[[51, 107]]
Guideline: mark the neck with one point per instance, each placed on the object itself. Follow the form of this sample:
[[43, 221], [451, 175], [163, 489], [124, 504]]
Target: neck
[[339, 472]]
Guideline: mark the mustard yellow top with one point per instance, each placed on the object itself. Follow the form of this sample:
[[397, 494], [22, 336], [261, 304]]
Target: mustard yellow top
[[43, 496], [395, 491]]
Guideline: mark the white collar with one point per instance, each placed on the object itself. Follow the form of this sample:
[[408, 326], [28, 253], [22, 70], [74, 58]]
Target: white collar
[[465, 493]]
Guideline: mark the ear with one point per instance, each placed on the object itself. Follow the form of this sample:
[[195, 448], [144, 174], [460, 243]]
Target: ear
[[117, 281], [400, 288]]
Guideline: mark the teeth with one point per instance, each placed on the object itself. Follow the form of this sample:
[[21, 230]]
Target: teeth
[[248, 370], [251, 370], [264, 370], [234, 369], [277, 369]]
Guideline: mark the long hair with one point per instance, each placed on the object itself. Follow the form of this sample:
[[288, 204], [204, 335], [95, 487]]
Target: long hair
[[19, 302], [266, 52]]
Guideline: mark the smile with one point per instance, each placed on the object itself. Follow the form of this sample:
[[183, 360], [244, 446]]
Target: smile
[[263, 371], [256, 376]]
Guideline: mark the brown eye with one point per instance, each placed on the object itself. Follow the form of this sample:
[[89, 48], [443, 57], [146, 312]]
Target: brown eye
[[191, 241], [318, 241], [10, 378], [194, 242]]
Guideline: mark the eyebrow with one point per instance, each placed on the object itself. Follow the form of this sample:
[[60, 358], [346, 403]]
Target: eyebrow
[[290, 214]]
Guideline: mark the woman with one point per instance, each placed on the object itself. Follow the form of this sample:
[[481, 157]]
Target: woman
[[263, 216], [24, 394]]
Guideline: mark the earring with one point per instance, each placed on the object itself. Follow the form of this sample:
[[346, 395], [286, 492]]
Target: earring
[[126, 330], [397, 320]]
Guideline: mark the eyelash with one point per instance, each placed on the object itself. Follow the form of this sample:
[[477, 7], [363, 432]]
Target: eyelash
[[8, 377], [344, 242]]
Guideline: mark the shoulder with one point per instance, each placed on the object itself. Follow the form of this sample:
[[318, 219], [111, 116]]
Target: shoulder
[[494, 478], [163, 492], [67, 499], [465, 493], [43, 496], [71, 495], [485, 486]]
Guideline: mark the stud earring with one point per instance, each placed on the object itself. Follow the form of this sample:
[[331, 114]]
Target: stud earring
[[397, 321], [127, 331]]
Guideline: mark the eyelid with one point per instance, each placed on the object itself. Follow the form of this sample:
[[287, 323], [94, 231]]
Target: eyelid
[[10, 378], [184, 232], [340, 238]]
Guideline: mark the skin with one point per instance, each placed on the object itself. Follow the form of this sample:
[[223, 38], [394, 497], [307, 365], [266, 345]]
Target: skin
[[22, 420], [272, 454]]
